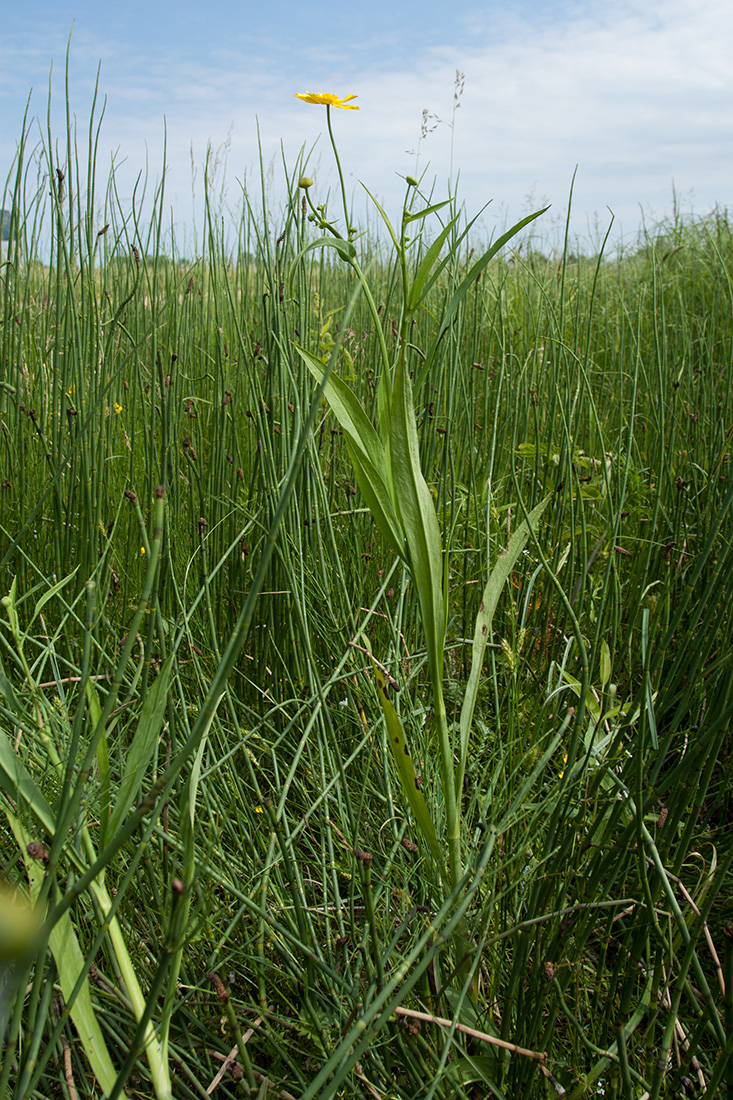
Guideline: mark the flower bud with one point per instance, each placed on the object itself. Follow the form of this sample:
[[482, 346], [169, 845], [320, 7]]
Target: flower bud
[[410, 181], [305, 182]]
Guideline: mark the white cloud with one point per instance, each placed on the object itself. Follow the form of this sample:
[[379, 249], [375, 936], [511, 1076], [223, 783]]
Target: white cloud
[[639, 97]]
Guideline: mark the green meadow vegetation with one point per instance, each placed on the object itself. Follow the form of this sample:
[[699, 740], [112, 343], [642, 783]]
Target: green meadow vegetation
[[365, 651]]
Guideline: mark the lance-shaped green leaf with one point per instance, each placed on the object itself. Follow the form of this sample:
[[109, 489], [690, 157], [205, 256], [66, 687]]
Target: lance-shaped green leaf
[[366, 452], [21, 788], [8, 692], [405, 766], [158, 1063], [69, 960], [416, 512], [494, 587], [385, 219], [140, 752], [344, 248], [423, 280], [418, 215], [103, 768], [49, 595], [606, 665], [464, 287]]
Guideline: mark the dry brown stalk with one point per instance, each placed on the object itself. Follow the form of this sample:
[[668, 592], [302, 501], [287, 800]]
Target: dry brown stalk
[[536, 1055], [231, 1057]]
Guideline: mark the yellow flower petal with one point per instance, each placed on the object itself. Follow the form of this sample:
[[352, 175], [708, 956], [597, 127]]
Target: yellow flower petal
[[328, 99]]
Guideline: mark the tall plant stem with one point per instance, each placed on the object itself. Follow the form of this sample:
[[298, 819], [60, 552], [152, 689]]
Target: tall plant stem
[[338, 166], [447, 777]]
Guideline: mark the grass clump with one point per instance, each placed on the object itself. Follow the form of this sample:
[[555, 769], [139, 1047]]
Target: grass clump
[[272, 513]]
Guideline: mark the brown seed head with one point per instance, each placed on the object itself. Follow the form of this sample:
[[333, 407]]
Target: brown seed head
[[221, 990]]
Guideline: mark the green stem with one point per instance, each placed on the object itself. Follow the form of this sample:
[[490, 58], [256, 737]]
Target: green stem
[[385, 382], [447, 778], [158, 1064], [338, 165], [323, 224], [452, 820]]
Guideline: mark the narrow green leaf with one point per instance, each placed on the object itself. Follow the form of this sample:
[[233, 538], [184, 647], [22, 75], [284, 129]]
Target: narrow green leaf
[[416, 511], [405, 767], [365, 450], [346, 409], [648, 695], [95, 713], [49, 595], [142, 748], [376, 494], [591, 703], [9, 692], [464, 287], [605, 664], [494, 587], [21, 788], [384, 218], [418, 214], [422, 282], [193, 785], [69, 960], [156, 1060], [483, 262], [345, 249]]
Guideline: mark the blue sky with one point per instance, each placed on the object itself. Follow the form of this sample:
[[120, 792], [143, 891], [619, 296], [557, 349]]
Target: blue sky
[[638, 95]]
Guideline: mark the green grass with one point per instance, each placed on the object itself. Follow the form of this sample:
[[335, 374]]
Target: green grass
[[191, 737]]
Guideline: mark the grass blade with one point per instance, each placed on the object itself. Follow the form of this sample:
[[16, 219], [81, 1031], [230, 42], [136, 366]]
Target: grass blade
[[140, 752], [494, 587], [406, 768], [69, 961], [365, 450]]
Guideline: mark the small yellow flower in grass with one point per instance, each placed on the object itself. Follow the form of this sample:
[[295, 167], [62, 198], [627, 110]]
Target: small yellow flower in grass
[[259, 810], [118, 408], [142, 551], [564, 760], [328, 99]]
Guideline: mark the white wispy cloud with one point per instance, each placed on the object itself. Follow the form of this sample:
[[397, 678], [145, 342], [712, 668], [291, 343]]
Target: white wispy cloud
[[639, 97]]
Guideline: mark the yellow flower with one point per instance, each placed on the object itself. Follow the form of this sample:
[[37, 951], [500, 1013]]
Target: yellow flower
[[118, 409], [142, 550], [328, 99], [564, 760]]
